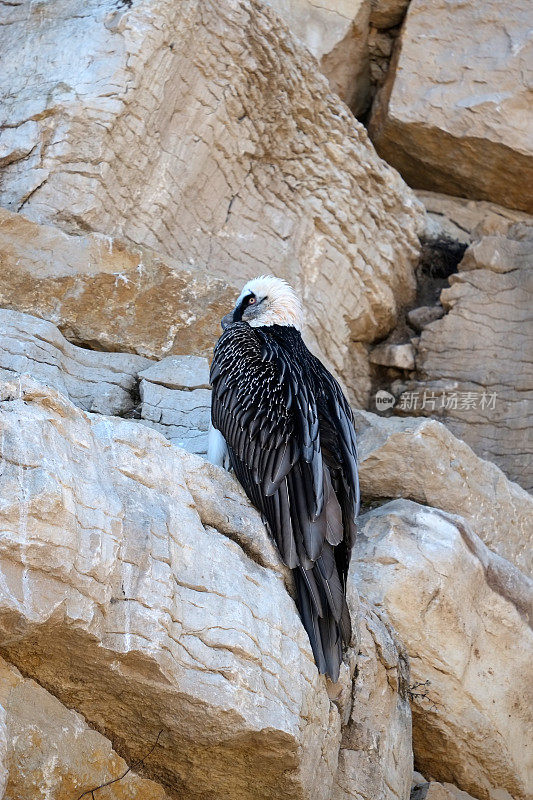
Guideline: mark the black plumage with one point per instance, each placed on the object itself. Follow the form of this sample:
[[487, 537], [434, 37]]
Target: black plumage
[[291, 442]]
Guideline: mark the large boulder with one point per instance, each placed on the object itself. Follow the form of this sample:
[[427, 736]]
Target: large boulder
[[457, 122], [421, 460], [122, 600], [336, 33], [202, 130], [475, 365], [461, 612], [51, 751], [376, 757]]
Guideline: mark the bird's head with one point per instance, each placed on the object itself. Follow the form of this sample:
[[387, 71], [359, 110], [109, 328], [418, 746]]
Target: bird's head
[[267, 301]]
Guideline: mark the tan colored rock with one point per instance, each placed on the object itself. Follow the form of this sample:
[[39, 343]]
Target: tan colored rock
[[52, 752], [380, 48], [387, 13], [162, 125], [446, 791], [421, 460], [460, 121], [376, 758], [467, 220], [105, 295], [121, 601], [336, 33], [475, 365], [400, 356], [465, 635]]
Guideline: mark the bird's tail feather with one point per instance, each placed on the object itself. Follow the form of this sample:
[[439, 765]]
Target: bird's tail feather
[[325, 633]]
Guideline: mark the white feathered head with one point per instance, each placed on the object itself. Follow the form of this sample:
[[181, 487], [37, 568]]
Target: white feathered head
[[267, 301]]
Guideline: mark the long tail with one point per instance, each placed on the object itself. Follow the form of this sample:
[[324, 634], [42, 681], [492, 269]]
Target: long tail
[[325, 617]]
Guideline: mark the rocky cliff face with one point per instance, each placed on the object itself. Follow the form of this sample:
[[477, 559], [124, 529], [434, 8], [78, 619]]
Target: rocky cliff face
[[153, 156]]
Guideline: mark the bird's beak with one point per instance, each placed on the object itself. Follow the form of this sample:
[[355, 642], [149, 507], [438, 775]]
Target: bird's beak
[[227, 320]]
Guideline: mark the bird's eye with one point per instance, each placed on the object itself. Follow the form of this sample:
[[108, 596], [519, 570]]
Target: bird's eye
[[251, 301]]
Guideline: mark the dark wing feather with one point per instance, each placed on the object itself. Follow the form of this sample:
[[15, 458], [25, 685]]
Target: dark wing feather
[[290, 437]]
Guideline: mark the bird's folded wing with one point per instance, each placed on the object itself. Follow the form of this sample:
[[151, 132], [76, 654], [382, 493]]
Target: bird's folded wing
[[263, 407]]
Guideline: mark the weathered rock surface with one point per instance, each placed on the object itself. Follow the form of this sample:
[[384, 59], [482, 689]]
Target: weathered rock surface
[[432, 790], [182, 416], [105, 295], [421, 460], [387, 13], [460, 122], [98, 382], [465, 220], [465, 635], [376, 758], [169, 395], [475, 365], [163, 125], [336, 33], [120, 599], [52, 752], [401, 356], [176, 400]]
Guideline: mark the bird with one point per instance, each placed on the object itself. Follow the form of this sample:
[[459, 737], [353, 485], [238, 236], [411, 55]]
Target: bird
[[281, 422]]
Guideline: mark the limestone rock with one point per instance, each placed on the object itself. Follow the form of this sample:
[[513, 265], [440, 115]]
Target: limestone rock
[[181, 416], [467, 220], [423, 315], [376, 759], [465, 636], [172, 393], [107, 296], [423, 461], [387, 13], [179, 372], [401, 356], [162, 125], [99, 382], [52, 752], [122, 602], [475, 365], [459, 122], [433, 790], [336, 33]]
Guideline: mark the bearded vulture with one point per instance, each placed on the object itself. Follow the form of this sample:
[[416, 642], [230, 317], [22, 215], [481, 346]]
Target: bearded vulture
[[282, 423]]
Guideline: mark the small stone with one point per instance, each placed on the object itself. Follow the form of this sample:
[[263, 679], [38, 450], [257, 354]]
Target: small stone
[[401, 356], [420, 317]]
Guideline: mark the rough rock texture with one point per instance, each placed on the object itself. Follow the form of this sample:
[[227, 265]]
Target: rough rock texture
[[465, 635], [336, 33], [376, 758], [465, 220], [120, 599], [170, 395], [475, 365], [200, 129], [387, 13], [459, 122], [432, 790], [182, 416], [423, 461], [52, 752], [105, 295], [98, 382]]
